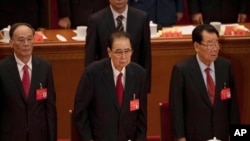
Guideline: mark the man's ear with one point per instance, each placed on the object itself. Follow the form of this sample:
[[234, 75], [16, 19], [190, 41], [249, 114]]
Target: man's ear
[[11, 43], [109, 51], [196, 46]]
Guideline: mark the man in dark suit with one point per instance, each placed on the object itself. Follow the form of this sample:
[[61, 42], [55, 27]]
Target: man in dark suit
[[203, 100], [29, 11], [27, 100], [73, 13], [108, 109], [163, 12], [135, 22], [225, 11]]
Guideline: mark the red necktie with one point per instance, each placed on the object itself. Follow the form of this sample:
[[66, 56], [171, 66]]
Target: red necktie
[[210, 85], [26, 80], [119, 89]]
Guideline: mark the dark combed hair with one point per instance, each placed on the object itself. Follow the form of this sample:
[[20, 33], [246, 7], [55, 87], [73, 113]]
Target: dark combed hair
[[197, 32], [16, 25], [117, 35]]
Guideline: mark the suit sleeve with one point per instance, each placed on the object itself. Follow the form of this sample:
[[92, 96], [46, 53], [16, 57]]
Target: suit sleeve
[[194, 6], [176, 102], [42, 13], [83, 98], [145, 59], [243, 6], [91, 42], [51, 107], [141, 132], [179, 5], [63, 8]]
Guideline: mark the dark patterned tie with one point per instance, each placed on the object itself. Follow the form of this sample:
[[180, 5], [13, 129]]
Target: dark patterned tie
[[119, 23], [210, 85], [26, 81], [119, 89]]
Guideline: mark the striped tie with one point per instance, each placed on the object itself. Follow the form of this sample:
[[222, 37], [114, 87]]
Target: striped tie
[[119, 23]]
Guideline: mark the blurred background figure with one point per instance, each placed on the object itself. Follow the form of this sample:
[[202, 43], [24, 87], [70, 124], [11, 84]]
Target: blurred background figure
[[34, 12], [73, 13], [162, 12], [225, 11]]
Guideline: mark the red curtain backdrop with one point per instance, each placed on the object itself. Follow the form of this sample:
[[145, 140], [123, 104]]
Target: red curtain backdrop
[[53, 14]]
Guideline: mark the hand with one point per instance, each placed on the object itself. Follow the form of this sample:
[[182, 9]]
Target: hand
[[64, 22], [242, 18], [197, 18], [181, 139], [179, 16]]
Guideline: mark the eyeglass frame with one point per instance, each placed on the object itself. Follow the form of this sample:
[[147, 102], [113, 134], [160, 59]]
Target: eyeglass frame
[[120, 52], [210, 46]]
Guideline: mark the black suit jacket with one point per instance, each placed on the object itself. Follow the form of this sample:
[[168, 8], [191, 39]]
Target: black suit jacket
[[27, 119], [97, 114], [29, 11], [192, 113], [79, 11], [225, 11], [102, 24]]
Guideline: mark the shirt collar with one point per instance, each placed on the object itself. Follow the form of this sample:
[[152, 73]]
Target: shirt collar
[[203, 66], [115, 71], [116, 14], [20, 64]]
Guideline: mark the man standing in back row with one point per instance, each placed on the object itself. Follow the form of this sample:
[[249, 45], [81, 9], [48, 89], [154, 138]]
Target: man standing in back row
[[73, 13], [225, 11], [119, 16]]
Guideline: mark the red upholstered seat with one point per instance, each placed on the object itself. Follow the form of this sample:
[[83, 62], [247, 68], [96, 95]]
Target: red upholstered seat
[[166, 134], [153, 138], [63, 139]]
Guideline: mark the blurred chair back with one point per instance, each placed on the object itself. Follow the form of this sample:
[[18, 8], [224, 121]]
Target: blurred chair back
[[166, 134], [73, 132], [153, 138]]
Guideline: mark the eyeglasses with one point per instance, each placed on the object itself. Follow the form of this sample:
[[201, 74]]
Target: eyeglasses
[[23, 40], [211, 45], [119, 52]]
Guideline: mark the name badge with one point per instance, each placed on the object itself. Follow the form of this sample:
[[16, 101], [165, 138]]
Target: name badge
[[134, 105], [41, 94], [225, 94]]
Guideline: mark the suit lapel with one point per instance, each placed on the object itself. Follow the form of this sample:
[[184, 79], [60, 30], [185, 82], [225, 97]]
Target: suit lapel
[[109, 83], [34, 78], [129, 86], [198, 80], [218, 80], [110, 23], [130, 22], [13, 70]]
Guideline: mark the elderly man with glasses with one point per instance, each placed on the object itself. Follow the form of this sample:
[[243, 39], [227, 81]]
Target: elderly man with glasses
[[203, 100], [111, 99]]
